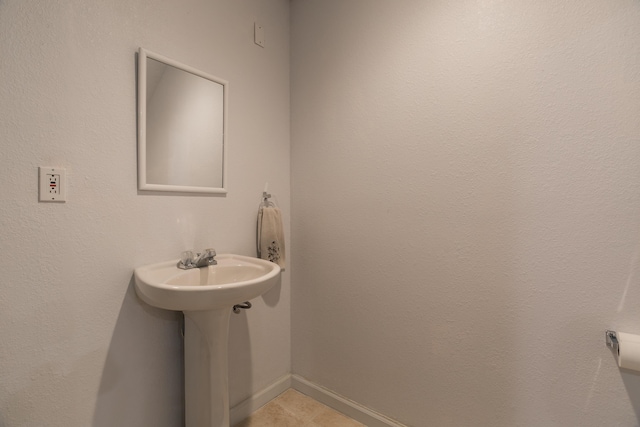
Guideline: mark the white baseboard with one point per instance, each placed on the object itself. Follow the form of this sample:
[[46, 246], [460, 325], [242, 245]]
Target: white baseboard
[[248, 406], [348, 407], [341, 404]]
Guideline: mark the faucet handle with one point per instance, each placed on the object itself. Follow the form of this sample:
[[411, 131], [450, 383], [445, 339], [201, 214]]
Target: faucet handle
[[208, 257], [187, 257]]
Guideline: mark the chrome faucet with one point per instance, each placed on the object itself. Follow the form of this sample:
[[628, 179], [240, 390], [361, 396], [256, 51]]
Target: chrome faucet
[[200, 259]]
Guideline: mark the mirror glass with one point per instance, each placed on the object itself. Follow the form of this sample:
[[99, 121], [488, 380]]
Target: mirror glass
[[181, 127]]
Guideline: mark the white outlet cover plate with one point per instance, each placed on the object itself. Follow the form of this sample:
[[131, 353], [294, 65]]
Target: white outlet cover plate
[[53, 184]]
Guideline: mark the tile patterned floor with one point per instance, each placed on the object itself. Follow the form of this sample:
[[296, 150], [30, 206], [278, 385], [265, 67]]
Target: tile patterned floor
[[294, 409]]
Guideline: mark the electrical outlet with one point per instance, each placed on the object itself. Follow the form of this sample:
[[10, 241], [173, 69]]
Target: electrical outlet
[[52, 184]]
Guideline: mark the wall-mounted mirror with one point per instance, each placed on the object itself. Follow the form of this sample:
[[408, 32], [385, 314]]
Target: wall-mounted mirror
[[182, 116]]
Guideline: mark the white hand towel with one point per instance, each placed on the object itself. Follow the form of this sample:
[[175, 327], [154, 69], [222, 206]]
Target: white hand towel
[[271, 235]]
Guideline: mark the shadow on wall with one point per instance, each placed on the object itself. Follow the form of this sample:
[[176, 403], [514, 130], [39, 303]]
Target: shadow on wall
[[240, 367], [142, 379], [241, 361], [631, 382], [272, 297]]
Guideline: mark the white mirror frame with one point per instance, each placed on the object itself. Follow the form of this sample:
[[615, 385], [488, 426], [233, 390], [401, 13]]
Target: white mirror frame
[[142, 126]]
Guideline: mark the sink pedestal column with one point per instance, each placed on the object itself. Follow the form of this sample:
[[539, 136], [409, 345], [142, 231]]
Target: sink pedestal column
[[206, 381]]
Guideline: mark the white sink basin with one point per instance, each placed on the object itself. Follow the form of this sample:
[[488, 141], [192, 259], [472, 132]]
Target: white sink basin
[[233, 280]]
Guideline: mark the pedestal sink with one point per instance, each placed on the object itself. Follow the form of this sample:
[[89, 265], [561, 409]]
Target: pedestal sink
[[206, 296]]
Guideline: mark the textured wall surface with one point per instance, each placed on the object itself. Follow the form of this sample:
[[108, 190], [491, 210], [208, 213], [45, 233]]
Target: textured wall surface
[[466, 207], [77, 346]]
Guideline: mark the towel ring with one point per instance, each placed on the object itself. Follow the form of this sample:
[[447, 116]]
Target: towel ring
[[266, 202]]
